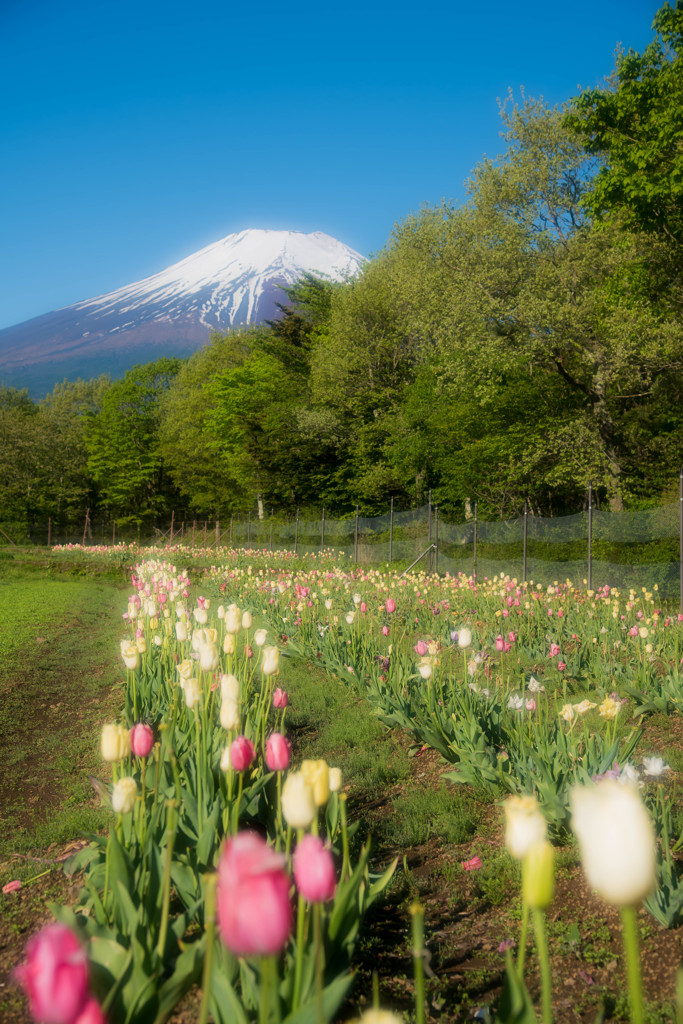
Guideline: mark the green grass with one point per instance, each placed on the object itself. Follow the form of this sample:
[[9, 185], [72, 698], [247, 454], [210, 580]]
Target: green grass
[[58, 667]]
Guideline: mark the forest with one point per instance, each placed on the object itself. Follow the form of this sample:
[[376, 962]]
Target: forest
[[511, 348]]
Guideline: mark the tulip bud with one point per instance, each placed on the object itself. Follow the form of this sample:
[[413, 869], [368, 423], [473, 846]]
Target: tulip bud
[[538, 875], [229, 644], [141, 740], [200, 616], [525, 824], [298, 804], [314, 870], [185, 669], [208, 657], [617, 841], [464, 638], [270, 661], [115, 742], [280, 698], [130, 655], [260, 637], [278, 752], [242, 753], [230, 715], [335, 780], [55, 975], [230, 688], [233, 619], [253, 908], [124, 794], [246, 620], [192, 691], [317, 774]]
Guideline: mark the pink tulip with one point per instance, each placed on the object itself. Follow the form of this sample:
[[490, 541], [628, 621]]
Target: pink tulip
[[390, 605], [253, 909], [472, 865], [314, 870], [141, 740], [242, 753], [561, 666], [633, 631], [363, 606], [500, 644], [421, 648], [91, 1014], [554, 650], [385, 631], [11, 887], [278, 752], [55, 975], [280, 698]]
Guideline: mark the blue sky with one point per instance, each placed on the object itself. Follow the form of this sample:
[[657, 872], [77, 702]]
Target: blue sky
[[134, 133]]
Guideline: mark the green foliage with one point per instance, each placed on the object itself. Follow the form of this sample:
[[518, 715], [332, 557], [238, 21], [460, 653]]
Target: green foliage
[[124, 456], [636, 121]]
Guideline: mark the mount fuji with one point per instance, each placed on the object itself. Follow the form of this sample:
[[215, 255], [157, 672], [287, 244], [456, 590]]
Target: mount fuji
[[237, 280]]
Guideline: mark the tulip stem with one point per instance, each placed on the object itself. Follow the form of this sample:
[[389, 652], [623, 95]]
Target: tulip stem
[[319, 964], [521, 955], [345, 871], [210, 929], [632, 951], [300, 929], [544, 964], [269, 994], [171, 825], [417, 914]]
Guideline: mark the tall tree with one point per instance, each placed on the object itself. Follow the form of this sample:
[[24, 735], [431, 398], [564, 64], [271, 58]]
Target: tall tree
[[636, 123], [122, 441]]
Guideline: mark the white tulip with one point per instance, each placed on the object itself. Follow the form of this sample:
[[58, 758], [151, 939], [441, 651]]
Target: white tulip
[[464, 638], [524, 824], [617, 841]]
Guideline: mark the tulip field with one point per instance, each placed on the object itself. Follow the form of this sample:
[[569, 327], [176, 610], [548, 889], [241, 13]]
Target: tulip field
[[324, 794]]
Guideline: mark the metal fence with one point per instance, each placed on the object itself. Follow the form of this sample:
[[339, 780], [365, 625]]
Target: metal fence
[[592, 548]]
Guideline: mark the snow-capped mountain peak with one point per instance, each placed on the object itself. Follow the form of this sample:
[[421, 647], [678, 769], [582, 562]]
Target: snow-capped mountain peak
[[237, 280], [225, 283]]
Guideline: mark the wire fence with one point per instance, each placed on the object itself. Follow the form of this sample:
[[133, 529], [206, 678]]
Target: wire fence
[[594, 548]]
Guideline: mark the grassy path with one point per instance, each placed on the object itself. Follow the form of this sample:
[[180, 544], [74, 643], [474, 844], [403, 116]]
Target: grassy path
[[59, 665]]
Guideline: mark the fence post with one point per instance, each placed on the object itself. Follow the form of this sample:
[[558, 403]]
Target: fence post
[[249, 529], [436, 540], [49, 532], [271, 529], [87, 523], [355, 539], [182, 531], [391, 532], [322, 532], [218, 533], [474, 551], [172, 521], [113, 532], [194, 527], [526, 510], [680, 528], [590, 536], [230, 531], [296, 532], [429, 536], [205, 534]]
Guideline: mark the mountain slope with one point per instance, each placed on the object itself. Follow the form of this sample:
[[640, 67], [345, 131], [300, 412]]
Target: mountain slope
[[237, 280]]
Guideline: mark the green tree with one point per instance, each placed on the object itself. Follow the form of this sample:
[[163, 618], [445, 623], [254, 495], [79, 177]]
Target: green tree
[[636, 123], [122, 441]]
